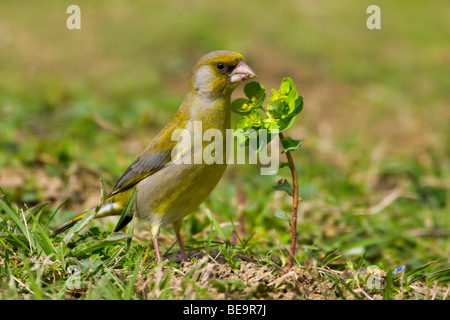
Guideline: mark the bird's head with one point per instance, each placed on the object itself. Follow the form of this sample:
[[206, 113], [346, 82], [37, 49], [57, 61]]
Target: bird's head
[[218, 73]]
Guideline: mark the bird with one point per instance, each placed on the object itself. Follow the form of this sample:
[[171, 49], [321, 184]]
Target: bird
[[167, 186]]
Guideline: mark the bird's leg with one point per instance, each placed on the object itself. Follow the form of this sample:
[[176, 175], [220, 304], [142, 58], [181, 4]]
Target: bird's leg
[[155, 244], [177, 228], [155, 234]]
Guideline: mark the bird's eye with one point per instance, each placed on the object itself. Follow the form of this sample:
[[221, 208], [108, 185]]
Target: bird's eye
[[220, 66]]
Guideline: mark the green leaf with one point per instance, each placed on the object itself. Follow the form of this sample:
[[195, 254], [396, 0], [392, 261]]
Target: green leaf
[[42, 238], [270, 124], [417, 273], [285, 123], [264, 141], [17, 218], [255, 119], [290, 100], [214, 222], [91, 265], [284, 164], [278, 108], [255, 89], [15, 238], [80, 224], [283, 185], [54, 213], [256, 94], [92, 244], [251, 121], [285, 87], [210, 237], [290, 144], [279, 213], [130, 230], [241, 106], [243, 125], [241, 138], [129, 289], [13, 215], [330, 257], [298, 105]]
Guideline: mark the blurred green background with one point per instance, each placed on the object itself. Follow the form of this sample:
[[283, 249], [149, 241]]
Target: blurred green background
[[375, 164]]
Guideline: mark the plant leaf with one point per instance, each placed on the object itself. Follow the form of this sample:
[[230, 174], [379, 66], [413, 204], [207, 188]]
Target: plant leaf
[[215, 223], [285, 123], [283, 185], [239, 106], [43, 240], [92, 244], [15, 217], [279, 213], [278, 108], [290, 144], [298, 105], [417, 273], [80, 224], [255, 89]]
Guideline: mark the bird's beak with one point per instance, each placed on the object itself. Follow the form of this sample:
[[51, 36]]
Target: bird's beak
[[241, 72]]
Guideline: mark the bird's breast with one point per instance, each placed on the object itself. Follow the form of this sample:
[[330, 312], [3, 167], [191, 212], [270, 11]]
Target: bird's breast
[[198, 163]]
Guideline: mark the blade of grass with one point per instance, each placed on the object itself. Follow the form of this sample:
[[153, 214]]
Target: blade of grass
[[93, 243], [215, 223], [330, 257], [44, 241], [130, 231], [36, 209], [35, 285], [236, 231], [367, 242], [28, 232], [4, 203], [337, 283], [54, 213], [387, 294], [210, 236], [23, 245], [113, 259], [81, 224], [128, 294], [358, 266], [417, 273]]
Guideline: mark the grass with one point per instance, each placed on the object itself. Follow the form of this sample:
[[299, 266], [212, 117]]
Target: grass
[[374, 168]]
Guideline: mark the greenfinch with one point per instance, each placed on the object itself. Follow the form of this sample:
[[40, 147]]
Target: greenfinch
[[168, 189]]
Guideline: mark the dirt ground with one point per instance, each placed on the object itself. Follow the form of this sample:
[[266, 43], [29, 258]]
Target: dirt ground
[[214, 277]]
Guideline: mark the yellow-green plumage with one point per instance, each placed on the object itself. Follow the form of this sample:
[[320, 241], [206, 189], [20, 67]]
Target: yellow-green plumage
[[168, 191]]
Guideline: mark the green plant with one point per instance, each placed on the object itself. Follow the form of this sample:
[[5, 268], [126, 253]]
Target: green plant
[[268, 120]]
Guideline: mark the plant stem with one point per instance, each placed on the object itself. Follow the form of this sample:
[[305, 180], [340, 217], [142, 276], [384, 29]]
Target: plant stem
[[294, 205]]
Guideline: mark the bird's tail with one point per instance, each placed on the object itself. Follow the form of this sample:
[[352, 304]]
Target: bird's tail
[[71, 223], [109, 208], [113, 206]]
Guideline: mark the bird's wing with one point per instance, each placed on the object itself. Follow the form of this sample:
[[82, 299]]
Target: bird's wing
[[144, 166], [155, 157]]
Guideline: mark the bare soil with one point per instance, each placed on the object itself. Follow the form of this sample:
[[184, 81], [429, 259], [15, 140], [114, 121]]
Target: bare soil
[[215, 278]]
